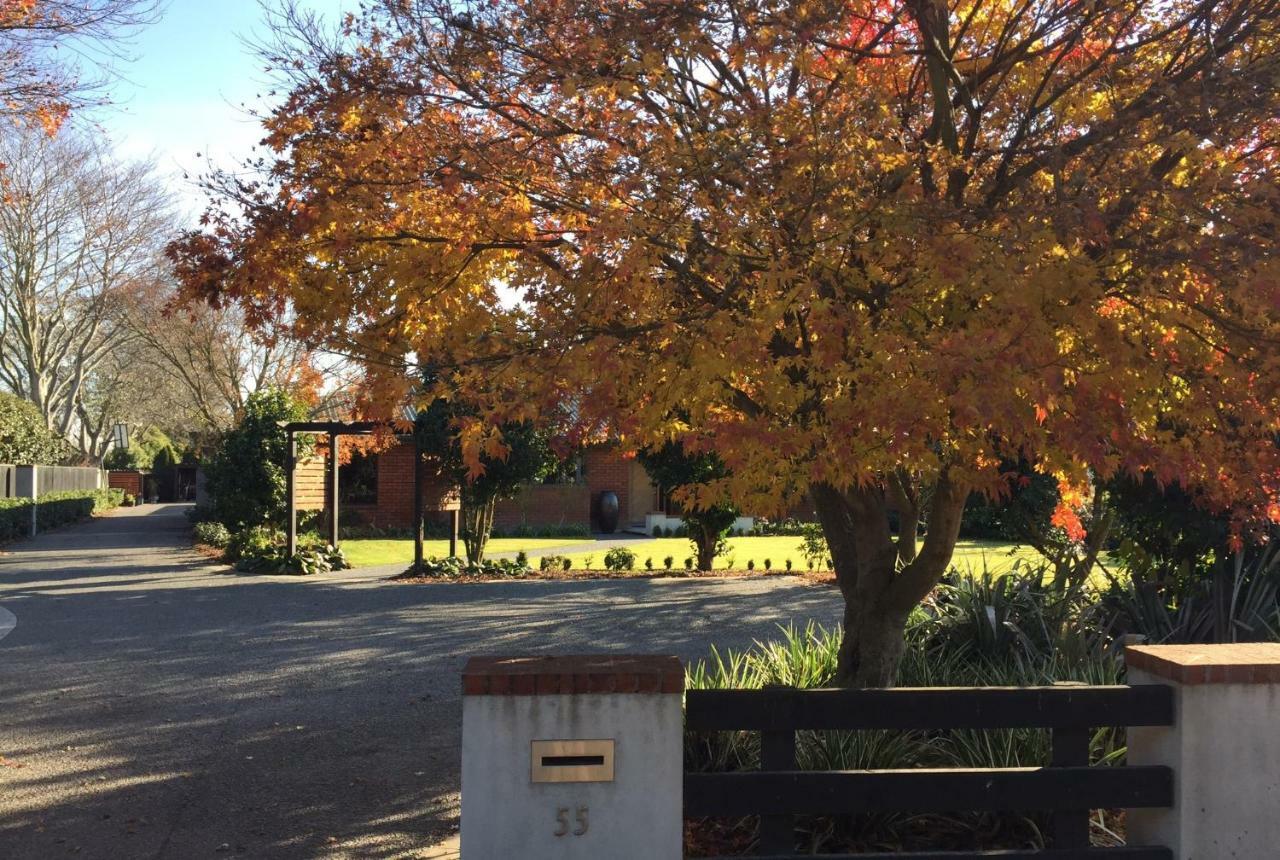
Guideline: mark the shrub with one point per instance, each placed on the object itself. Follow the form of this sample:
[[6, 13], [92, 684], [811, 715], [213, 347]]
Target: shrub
[[779, 528], [212, 534], [788, 564], [689, 563], [566, 530], [648, 563], [667, 562], [751, 564], [587, 561], [550, 562], [246, 475], [455, 568], [522, 558], [668, 532], [620, 558], [568, 563], [306, 561], [1239, 601], [54, 509], [657, 531], [813, 544], [768, 564], [254, 541]]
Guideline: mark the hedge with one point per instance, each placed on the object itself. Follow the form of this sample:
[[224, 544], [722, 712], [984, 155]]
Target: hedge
[[54, 509]]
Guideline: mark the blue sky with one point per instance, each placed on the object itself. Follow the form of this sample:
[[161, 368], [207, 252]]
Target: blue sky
[[188, 86]]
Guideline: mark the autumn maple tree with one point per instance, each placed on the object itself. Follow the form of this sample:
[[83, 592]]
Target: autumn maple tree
[[865, 250]]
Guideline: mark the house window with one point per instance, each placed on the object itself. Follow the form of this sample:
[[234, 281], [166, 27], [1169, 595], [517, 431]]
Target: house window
[[358, 480]]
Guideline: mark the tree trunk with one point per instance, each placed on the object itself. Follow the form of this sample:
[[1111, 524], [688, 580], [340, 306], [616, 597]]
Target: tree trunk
[[879, 591], [477, 523], [706, 542]]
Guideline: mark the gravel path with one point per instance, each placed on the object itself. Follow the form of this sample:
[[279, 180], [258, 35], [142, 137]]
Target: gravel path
[[155, 706]]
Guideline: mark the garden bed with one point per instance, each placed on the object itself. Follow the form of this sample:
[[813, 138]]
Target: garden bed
[[809, 577]]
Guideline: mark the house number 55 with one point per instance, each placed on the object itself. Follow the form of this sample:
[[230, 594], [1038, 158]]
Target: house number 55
[[577, 827]]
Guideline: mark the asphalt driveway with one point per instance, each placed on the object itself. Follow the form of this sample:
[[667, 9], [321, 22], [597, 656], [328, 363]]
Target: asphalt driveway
[[155, 706]]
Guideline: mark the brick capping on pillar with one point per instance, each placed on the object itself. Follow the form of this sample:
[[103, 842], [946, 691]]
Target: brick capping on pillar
[[1238, 663], [561, 675]]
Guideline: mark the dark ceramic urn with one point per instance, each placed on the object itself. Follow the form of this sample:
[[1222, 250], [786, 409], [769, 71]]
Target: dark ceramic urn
[[608, 513]]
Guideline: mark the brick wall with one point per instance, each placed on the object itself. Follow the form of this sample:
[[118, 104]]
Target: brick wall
[[538, 505], [395, 487], [395, 491], [545, 505], [609, 469]]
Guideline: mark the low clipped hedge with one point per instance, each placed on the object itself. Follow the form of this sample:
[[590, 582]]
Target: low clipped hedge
[[54, 509]]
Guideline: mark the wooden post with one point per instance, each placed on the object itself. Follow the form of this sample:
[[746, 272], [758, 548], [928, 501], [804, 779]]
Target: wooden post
[[777, 832], [455, 517], [418, 515], [332, 465], [1071, 826], [777, 753], [291, 523]]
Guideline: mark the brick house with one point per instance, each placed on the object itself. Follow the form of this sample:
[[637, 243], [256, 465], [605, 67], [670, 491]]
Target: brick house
[[378, 489]]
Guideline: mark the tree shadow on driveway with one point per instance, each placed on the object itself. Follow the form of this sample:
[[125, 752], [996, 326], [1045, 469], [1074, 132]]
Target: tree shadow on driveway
[[158, 709]]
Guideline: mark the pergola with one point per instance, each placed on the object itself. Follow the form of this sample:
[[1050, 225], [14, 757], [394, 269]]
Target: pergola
[[335, 430]]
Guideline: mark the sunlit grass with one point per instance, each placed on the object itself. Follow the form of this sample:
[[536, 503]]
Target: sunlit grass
[[588, 554]]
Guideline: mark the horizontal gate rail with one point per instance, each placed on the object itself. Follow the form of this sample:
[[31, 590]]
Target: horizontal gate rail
[[1119, 853], [906, 708], [921, 790]]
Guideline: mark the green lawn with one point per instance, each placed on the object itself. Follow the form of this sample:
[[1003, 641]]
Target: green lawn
[[997, 556], [370, 552]]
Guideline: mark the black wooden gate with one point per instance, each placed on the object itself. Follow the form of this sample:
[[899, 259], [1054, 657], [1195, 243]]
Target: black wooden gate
[[1068, 787]]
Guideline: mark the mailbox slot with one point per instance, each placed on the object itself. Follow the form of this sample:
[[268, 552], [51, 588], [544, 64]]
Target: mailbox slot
[[572, 761]]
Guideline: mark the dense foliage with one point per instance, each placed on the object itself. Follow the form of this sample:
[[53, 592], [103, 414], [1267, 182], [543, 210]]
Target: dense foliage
[[24, 438], [691, 476], [453, 567], [308, 560], [516, 454], [619, 559], [246, 474], [212, 533], [54, 509], [151, 448]]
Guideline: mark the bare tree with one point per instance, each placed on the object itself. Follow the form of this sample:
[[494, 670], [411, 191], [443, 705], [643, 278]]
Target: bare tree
[[216, 360], [57, 55], [80, 236]]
